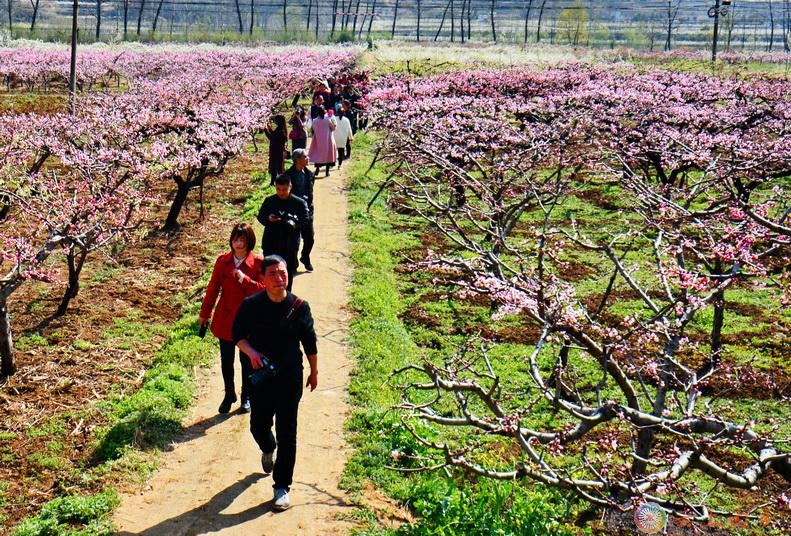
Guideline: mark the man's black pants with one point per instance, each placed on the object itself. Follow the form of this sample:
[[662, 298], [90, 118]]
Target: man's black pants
[[277, 398], [307, 241]]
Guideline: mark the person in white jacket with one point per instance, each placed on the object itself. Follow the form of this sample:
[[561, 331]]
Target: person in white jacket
[[342, 134]]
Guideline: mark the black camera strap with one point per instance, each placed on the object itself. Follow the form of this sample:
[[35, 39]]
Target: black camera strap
[[293, 309]]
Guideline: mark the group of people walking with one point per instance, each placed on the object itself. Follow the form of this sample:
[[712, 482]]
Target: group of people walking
[[248, 302], [331, 122]]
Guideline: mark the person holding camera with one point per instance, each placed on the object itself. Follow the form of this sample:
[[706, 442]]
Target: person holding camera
[[269, 328], [236, 275], [302, 180], [283, 215]]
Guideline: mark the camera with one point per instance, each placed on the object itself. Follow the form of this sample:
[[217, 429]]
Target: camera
[[267, 370], [202, 330]]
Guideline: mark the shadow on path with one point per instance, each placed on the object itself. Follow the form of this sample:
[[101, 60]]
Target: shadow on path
[[209, 517]]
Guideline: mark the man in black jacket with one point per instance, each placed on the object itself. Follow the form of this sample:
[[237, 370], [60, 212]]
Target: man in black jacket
[[302, 180], [283, 215], [269, 327]]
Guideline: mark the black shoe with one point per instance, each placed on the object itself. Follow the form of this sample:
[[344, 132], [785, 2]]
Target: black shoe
[[306, 264], [245, 407], [267, 461], [225, 405]]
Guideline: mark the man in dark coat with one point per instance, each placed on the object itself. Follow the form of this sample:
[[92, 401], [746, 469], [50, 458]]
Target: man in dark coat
[[283, 215], [302, 180], [269, 328]]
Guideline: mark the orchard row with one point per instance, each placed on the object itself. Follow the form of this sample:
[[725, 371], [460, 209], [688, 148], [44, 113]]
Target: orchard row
[[623, 216], [75, 183]]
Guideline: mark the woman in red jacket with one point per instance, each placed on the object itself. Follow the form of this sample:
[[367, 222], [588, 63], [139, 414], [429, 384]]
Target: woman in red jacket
[[236, 275]]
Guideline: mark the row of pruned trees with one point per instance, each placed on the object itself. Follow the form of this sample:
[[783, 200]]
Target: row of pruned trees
[[624, 317]]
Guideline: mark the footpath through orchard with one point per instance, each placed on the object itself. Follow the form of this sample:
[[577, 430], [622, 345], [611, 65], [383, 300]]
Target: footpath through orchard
[[212, 482]]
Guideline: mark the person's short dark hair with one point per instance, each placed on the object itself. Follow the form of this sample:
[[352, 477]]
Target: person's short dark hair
[[245, 230], [283, 179], [271, 260]]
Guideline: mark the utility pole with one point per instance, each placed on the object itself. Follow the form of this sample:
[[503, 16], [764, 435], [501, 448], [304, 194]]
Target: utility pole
[[720, 9], [73, 65]]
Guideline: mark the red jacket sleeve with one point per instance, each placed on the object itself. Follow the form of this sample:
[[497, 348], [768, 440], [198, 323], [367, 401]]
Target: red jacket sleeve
[[254, 282]]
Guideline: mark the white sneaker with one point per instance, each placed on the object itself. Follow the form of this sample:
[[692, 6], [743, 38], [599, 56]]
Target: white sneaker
[[282, 501]]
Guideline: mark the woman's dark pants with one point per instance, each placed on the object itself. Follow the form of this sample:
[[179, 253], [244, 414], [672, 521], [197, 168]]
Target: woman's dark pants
[[227, 357]]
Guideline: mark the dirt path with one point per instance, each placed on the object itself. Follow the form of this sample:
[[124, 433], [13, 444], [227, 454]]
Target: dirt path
[[212, 482]]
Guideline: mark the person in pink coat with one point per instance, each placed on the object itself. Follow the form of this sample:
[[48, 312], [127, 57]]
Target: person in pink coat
[[323, 151], [236, 275]]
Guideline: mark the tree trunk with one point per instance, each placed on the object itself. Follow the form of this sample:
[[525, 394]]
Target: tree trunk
[[126, 17], [285, 18], [452, 22], [252, 16], [371, 18], [34, 5], [10, 6], [238, 16], [310, 7], [183, 188], [771, 27], [418, 18], [140, 15], [527, 17], [491, 15], [469, 20], [156, 16], [75, 260], [7, 366], [461, 20], [540, 17], [362, 23], [395, 17], [442, 22], [716, 329], [5, 206], [356, 14], [98, 18], [334, 18], [730, 25], [316, 20]]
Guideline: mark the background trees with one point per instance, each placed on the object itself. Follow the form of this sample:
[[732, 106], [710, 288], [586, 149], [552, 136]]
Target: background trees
[[753, 26], [74, 184]]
